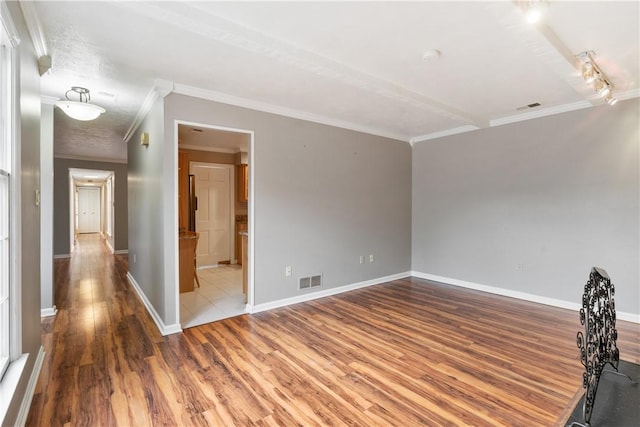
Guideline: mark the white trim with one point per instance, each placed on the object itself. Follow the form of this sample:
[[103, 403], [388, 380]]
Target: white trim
[[121, 252], [89, 158], [629, 317], [164, 329], [541, 113], [225, 98], [160, 89], [62, 256], [324, 293], [7, 21], [15, 344], [210, 149], [48, 312], [23, 412], [251, 210], [34, 27], [630, 94], [9, 383], [443, 133], [106, 241]]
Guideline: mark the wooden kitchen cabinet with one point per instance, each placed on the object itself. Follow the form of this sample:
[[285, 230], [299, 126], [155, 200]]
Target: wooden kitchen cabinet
[[240, 227], [183, 190], [188, 243], [242, 173]]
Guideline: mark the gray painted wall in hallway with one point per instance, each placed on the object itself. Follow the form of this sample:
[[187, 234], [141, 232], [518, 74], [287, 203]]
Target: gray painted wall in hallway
[[324, 196], [146, 207], [532, 206], [61, 227]]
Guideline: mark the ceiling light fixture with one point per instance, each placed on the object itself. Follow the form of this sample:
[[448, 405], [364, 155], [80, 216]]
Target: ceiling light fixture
[[81, 109], [593, 75], [534, 11]]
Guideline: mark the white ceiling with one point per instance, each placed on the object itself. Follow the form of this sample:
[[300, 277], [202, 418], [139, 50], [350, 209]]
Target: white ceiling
[[212, 139], [357, 65]]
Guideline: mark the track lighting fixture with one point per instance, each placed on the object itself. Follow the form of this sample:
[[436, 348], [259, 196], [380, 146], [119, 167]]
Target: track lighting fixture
[[593, 75], [80, 109]]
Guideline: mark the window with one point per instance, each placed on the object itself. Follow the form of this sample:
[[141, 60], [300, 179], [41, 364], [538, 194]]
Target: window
[[6, 51]]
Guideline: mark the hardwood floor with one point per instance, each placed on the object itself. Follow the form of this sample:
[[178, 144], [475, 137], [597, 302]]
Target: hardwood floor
[[404, 353]]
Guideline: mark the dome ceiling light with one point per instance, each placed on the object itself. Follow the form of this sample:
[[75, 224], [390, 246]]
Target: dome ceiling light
[[80, 109]]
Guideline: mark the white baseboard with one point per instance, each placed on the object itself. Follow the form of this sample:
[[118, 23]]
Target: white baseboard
[[62, 256], [121, 252], [324, 293], [47, 312], [164, 329], [108, 243], [629, 317], [23, 412]]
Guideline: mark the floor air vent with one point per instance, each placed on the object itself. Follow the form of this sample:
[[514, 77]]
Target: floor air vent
[[310, 282]]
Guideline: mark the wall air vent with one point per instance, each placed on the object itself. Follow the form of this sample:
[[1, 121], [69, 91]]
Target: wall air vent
[[310, 282], [526, 107]]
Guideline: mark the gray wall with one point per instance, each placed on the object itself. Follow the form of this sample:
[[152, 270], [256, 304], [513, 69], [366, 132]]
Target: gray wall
[[61, 226], [146, 206], [29, 143], [532, 206], [324, 196]]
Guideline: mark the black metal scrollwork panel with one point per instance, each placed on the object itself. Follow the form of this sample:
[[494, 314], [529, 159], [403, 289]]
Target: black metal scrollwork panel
[[598, 342]]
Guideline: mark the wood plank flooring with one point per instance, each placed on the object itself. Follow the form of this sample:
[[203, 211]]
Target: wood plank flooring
[[404, 353]]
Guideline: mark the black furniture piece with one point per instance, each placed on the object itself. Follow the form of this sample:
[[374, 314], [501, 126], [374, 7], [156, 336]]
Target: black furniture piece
[[598, 342]]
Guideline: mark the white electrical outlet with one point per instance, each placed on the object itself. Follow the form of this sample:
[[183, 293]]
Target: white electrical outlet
[[134, 258], [371, 259], [287, 271], [361, 259]]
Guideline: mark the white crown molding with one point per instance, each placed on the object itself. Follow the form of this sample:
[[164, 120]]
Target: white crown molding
[[34, 27], [629, 94], [541, 113], [7, 22], [160, 89], [209, 149], [441, 134], [88, 158], [224, 98]]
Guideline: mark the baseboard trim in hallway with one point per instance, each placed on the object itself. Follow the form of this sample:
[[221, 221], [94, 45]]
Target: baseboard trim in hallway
[[164, 329], [47, 312]]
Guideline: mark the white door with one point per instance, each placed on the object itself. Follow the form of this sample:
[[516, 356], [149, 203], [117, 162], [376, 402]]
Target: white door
[[213, 217], [88, 210]]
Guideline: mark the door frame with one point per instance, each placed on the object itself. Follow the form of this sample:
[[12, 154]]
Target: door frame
[[232, 205], [73, 202], [250, 210]]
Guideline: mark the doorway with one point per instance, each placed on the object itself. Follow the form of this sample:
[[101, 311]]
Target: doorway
[[215, 157], [91, 199]]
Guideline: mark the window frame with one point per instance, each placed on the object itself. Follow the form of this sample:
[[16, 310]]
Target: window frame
[[9, 137]]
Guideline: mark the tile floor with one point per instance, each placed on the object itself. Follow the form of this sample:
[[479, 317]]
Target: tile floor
[[218, 297]]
